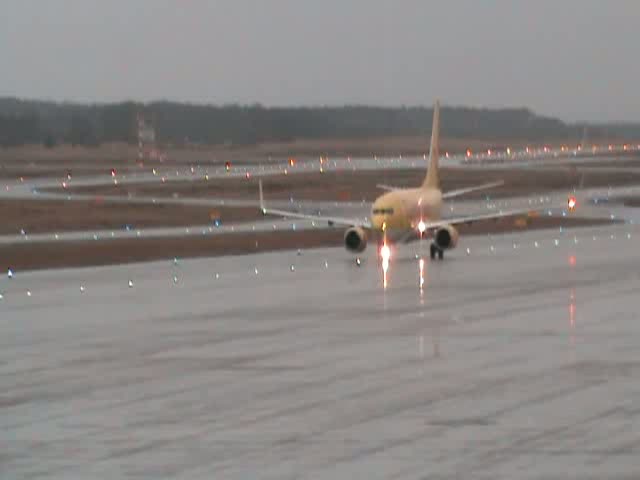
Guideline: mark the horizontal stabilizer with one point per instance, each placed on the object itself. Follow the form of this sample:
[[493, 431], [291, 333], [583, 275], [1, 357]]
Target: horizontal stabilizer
[[387, 188], [463, 191]]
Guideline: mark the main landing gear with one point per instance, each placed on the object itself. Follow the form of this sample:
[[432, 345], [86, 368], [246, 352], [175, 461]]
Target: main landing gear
[[435, 250]]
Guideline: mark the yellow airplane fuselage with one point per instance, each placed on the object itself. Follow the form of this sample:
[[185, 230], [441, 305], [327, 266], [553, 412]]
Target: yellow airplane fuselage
[[399, 211]]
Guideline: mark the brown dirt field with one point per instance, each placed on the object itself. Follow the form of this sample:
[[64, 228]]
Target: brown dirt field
[[30, 256], [27, 173], [618, 162], [120, 153], [361, 185], [38, 216], [35, 161], [393, 145]]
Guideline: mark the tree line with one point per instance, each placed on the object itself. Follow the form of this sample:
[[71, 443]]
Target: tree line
[[30, 121]]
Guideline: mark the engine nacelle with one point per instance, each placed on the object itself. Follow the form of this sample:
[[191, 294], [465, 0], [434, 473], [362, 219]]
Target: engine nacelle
[[446, 237], [355, 239]]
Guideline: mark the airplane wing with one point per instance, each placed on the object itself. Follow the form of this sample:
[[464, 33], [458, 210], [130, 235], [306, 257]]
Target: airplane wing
[[347, 222], [462, 191], [475, 218]]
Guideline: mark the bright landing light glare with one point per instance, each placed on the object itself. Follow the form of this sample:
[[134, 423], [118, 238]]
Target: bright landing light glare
[[385, 254]]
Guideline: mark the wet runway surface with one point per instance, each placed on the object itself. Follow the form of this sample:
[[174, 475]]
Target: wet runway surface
[[518, 358]]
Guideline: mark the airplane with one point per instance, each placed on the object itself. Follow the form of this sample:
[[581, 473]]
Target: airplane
[[402, 215]]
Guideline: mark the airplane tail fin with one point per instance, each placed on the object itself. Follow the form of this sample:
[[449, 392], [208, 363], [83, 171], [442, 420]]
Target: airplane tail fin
[[432, 180]]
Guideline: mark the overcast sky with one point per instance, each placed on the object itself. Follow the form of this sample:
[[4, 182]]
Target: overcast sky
[[575, 59]]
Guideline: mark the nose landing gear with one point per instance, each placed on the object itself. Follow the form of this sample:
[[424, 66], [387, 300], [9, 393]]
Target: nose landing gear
[[434, 251]]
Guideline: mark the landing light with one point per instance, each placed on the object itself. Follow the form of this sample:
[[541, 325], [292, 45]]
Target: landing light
[[385, 253], [422, 227], [572, 203]]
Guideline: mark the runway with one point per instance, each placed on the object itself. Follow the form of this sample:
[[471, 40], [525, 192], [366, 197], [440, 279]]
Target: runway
[[519, 358]]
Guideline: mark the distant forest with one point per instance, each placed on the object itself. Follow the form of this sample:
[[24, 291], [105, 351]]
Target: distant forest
[[50, 123]]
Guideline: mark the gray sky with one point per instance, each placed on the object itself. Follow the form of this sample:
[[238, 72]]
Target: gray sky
[[575, 59]]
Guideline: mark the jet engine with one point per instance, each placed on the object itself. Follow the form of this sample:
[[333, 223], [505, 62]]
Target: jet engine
[[355, 239], [446, 237]]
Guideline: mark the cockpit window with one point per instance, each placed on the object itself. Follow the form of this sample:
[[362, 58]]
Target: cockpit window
[[383, 211]]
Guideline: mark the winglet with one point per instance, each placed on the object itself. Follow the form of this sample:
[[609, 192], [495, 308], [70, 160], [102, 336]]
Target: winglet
[[432, 180], [262, 207]]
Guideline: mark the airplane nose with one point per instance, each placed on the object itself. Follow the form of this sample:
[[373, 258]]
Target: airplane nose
[[377, 221], [374, 221]]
